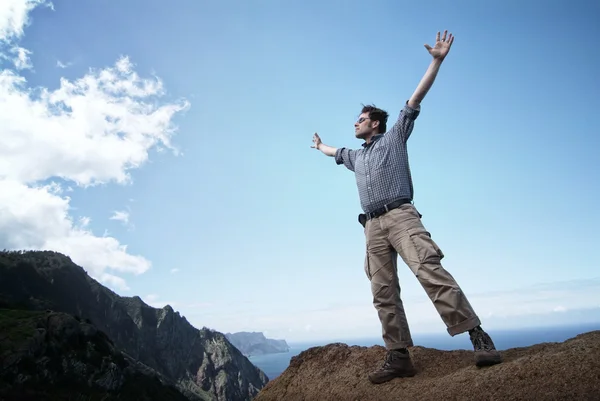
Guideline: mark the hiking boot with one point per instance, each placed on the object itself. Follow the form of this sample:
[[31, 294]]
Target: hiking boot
[[396, 364], [485, 351]]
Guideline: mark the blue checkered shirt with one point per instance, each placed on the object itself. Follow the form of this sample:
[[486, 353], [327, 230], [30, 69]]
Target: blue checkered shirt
[[381, 167]]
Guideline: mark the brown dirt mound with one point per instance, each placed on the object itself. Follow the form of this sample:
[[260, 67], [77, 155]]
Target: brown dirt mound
[[550, 371]]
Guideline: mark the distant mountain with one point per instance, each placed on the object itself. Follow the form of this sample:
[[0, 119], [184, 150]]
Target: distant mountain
[[255, 343], [202, 364]]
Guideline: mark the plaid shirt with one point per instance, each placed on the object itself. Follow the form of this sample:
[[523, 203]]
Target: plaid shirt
[[381, 167]]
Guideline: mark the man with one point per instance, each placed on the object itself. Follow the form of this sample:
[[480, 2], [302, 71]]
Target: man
[[393, 226]]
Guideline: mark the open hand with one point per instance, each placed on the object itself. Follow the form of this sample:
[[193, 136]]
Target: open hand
[[441, 47], [316, 141]]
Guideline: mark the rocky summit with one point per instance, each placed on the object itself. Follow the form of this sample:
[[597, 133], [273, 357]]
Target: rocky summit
[[549, 371], [201, 363]]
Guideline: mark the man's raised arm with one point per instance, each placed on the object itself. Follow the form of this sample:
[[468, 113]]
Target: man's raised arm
[[439, 52]]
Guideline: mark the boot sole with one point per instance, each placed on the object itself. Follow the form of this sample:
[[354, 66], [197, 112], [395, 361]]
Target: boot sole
[[392, 376], [488, 361]]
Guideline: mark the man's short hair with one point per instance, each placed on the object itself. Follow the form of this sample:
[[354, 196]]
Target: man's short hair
[[377, 114]]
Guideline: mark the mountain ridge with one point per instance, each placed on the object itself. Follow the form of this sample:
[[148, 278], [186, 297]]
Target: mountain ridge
[[46, 355], [198, 361]]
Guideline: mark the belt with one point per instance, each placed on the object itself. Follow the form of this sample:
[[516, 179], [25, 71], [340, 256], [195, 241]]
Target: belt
[[386, 208]]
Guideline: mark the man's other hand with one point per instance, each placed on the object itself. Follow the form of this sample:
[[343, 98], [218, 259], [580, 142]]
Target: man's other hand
[[316, 141], [441, 47]]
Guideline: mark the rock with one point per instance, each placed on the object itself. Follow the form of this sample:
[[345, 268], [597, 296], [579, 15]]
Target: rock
[[548, 371]]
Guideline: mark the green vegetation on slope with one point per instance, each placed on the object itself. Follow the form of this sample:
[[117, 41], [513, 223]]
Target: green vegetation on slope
[[55, 356]]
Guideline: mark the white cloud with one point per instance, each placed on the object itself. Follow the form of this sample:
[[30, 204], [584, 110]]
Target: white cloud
[[123, 217], [153, 301], [173, 271], [14, 17], [120, 215], [60, 64], [89, 131], [114, 281], [19, 56]]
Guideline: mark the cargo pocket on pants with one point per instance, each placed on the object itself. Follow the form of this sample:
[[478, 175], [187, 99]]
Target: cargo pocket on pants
[[367, 264], [427, 249]]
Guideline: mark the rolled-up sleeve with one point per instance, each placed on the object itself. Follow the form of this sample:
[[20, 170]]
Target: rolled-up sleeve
[[406, 122], [345, 156]]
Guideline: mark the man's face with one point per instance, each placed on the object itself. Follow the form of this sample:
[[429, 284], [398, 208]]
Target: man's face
[[364, 127]]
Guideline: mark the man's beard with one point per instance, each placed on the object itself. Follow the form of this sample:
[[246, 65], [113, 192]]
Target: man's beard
[[361, 134]]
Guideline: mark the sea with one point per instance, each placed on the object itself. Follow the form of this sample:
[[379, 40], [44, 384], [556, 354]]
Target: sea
[[274, 364]]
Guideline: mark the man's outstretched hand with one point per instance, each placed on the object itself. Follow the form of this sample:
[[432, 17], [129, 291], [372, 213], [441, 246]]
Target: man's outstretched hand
[[317, 144], [441, 47], [316, 141]]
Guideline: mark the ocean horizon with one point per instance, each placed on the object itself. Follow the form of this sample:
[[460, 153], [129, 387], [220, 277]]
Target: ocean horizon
[[274, 364]]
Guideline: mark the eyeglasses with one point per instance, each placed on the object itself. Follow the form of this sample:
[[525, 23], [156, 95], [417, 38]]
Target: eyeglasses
[[360, 120]]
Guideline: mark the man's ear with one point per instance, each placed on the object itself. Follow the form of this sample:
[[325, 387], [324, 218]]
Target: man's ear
[[375, 124]]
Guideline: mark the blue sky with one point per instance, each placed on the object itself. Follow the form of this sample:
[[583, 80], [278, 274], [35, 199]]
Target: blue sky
[[241, 225]]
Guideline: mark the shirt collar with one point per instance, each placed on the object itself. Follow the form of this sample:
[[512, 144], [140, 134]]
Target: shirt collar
[[374, 139]]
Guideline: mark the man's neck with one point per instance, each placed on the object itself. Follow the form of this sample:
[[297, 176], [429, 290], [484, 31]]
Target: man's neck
[[370, 139]]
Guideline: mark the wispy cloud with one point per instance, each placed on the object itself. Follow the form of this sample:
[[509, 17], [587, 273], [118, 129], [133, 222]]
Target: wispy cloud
[[62, 65], [174, 271], [123, 217], [151, 297], [21, 58], [87, 132], [120, 215], [154, 301], [197, 305], [523, 307]]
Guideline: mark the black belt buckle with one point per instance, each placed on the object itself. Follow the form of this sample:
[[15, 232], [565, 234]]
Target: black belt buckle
[[373, 214], [386, 208]]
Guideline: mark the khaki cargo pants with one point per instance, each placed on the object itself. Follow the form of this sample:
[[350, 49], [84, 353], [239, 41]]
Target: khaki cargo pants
[[400, 231]]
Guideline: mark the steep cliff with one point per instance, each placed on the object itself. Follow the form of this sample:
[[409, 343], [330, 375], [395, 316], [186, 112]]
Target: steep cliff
[[202, 363], [52, 356], [548, 371], [255, 343]]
